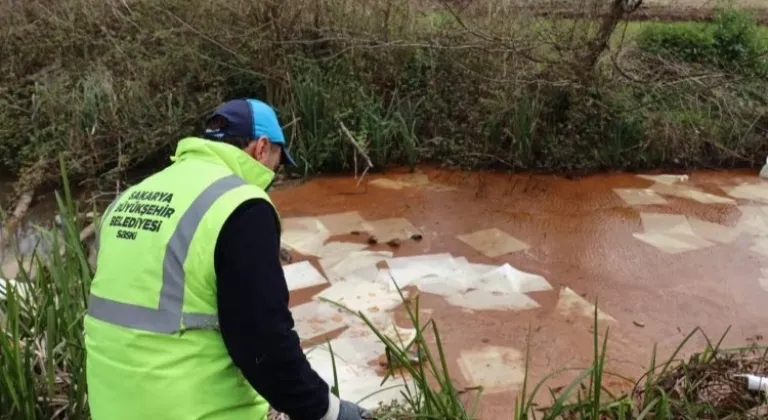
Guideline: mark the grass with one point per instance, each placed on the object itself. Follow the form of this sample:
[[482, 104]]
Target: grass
[[113, 86], [702, 387], [42, 368]]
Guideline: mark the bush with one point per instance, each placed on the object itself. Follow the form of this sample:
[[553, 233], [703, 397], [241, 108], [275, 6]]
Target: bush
[[733, 42], [738, 42], [689, 42], [114, 85]]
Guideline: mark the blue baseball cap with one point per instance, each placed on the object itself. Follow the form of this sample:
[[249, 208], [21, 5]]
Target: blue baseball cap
[[250, 118]]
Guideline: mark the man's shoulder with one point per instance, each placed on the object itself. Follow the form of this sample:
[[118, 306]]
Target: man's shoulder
[[252, 209], [252, 226]]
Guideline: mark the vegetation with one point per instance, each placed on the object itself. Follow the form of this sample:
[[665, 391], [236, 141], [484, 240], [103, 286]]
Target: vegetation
[[113, 85], [734, 43], [42, 364], [702, 387], [42, 368]]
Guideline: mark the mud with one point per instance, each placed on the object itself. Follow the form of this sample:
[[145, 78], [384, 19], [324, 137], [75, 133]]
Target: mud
[[588, 242]]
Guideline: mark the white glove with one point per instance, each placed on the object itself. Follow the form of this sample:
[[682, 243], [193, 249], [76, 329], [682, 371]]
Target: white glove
[[345, 410], [351, 411]]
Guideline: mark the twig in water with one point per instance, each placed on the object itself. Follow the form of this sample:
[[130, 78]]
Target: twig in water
[[87, 232], [360, 150]]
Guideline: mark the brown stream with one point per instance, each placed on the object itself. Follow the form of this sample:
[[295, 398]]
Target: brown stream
[[579, 234], [660, 258]]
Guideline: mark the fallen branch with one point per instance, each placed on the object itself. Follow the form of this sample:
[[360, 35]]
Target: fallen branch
[[360, 150], [294, 121], [87, 232], [22, 207]]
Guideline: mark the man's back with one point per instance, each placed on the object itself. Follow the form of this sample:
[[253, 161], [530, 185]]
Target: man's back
[[151, 348], [123, 385], [188, 316]]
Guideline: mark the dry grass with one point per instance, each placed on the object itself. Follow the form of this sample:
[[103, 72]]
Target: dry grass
[[708, 386]]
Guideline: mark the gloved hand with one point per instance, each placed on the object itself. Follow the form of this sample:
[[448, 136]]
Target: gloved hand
[[352, 411]]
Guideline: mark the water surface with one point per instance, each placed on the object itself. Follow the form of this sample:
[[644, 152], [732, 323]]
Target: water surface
[[661, 256]]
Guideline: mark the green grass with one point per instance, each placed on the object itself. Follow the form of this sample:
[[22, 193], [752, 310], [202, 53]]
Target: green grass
[[635, 27], [672, 389], [733, 42], [42, 363], [42, 368]]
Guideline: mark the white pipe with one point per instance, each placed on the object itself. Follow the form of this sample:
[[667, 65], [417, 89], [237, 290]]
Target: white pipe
[[756, 383]]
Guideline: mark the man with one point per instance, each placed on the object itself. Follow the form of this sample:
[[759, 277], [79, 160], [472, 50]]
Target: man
[[188, 314]]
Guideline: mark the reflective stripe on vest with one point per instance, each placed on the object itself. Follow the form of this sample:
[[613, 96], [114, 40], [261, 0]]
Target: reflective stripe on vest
[[168, 317]]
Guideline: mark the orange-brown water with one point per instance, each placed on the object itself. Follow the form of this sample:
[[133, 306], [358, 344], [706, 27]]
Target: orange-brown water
[[580, 235]]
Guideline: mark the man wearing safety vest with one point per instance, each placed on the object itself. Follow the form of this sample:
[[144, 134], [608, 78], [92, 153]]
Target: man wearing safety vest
[[188, 314]]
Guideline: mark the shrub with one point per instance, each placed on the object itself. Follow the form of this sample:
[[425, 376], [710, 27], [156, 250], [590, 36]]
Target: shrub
[[685, 41], [738, 42], [113, 85], [733, 42]]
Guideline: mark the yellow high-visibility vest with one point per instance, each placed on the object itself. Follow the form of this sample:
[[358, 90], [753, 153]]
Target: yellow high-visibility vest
[[152, 341]]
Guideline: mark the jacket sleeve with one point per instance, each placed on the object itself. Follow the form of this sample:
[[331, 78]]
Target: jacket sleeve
[[255, 322]]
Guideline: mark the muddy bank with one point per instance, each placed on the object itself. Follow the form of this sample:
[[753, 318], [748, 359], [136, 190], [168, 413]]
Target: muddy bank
[[661, 255]]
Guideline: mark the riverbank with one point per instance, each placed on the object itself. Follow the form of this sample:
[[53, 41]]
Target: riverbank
[[112, 86]]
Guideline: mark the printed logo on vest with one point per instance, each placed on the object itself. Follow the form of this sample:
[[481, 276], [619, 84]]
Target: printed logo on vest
[[143, 211]]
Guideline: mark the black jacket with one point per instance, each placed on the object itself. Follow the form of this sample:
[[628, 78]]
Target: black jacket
[[255, 322]]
